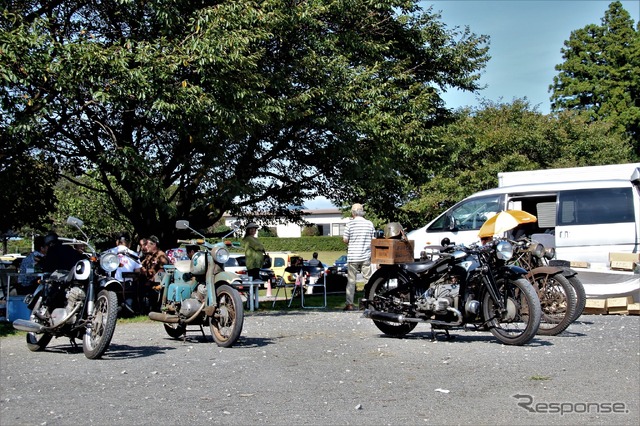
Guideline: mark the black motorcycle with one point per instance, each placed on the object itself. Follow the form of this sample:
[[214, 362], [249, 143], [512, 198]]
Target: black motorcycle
[[79, 304], [463, 286]]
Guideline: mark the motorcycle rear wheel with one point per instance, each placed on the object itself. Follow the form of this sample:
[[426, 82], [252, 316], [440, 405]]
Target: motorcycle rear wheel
[[520, 323], [581, 296], [37, 342], [557, 301], [228, 319], [393, 329], [98, 336]]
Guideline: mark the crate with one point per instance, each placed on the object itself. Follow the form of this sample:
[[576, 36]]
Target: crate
[[633, 308], [595, 306], [388, 251], [619, 305], [623, 261]]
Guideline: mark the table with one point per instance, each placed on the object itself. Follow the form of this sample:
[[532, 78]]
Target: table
[[254, 286]]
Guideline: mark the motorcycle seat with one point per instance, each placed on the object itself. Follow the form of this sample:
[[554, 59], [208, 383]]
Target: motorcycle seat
[[420, 267]]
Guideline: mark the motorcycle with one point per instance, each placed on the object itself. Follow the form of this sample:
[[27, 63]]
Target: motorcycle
[[198, 291], [554, 279], [79, 304], [463, 286]]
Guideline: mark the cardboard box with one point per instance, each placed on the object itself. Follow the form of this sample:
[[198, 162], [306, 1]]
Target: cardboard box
[[633, 308], [595, 306], [618, 305], [624, 261], [388, 251]]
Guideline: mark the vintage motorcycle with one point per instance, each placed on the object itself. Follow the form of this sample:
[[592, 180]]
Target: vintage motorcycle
[[463, 286], [554, 279], [198, 291], [79, 304]]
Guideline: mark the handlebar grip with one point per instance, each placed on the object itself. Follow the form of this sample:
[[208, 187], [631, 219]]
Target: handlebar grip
[[186, 242]]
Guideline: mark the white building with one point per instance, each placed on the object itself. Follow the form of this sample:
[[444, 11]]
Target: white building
[[330, 222]]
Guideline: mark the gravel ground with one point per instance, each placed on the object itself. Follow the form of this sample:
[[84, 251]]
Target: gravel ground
[[328, 367]]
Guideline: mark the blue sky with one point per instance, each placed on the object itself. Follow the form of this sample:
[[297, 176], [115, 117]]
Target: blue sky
[[526, 38]]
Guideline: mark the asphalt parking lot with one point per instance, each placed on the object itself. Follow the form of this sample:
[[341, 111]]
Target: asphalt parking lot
[[328, 367]]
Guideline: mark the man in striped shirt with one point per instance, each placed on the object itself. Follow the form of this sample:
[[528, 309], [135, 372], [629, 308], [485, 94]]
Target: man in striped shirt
[[358, 234]]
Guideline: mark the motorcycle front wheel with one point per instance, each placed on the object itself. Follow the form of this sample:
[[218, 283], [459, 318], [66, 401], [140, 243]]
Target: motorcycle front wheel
[[378, 288], [557, 302], [521, 319], [100, 331], [228, 319]]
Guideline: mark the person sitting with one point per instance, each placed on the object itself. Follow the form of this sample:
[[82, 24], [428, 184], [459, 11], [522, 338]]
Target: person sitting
[[31, 264], [191, 250], [59, 256], [128, 258], [314, 261], [152, 264]]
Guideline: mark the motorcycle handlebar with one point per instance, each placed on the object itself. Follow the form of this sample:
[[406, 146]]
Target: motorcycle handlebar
[[199, 242]]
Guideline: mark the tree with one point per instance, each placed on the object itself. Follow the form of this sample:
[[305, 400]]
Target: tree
[[189, 109], [505, 137], [600, 74]]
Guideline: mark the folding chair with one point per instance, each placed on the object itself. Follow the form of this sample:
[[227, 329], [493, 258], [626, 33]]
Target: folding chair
[[281, 283], [314, 276]]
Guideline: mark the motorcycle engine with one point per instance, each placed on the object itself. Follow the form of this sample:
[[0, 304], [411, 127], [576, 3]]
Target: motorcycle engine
[[189, 307], [75, 295], [439, 297]]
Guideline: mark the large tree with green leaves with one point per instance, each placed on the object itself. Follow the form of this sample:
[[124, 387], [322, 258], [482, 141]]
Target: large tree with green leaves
[[503, 137], [600, 75], [188, 109]]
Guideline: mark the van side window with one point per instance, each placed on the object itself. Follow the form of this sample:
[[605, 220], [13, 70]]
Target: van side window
[[468, 215], [594, 206]]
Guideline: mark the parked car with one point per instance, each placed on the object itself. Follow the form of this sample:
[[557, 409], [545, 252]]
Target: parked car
[[340, 265], [280, 260], [237, 264]]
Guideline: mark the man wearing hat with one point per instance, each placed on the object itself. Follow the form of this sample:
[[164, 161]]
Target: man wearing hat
[[358, 234], [253, 251]]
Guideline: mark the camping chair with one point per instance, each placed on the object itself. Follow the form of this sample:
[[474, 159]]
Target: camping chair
[[314, 276], [282, 283]]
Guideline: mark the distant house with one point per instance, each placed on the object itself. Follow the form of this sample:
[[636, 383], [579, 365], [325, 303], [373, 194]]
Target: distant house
[[329, 222]]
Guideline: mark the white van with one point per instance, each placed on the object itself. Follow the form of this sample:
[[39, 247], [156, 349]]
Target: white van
[[585, 212]]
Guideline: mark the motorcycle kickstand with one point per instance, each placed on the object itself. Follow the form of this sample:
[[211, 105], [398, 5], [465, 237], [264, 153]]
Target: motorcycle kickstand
[[434, 333]]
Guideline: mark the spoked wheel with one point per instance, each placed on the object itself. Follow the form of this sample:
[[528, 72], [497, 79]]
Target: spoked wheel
[[521, 319], [226, 322], [175, 330], [378, 291], [37, 342], [557, 302], [98, 336]]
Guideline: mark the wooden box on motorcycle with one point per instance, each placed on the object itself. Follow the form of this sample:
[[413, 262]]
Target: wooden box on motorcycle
[[391, 251]]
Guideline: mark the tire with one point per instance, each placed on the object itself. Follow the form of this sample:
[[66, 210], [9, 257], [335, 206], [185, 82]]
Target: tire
[[520, 323], [581, 296], [380, 286], [105, 313], [557, 302], [37, 342], [228, 318], [175, 330]]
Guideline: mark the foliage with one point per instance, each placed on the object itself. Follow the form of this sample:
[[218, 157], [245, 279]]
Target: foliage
[[600, 75], [508, 137], [188, 109]]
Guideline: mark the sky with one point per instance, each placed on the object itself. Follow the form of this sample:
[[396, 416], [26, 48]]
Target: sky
[[526, 37]]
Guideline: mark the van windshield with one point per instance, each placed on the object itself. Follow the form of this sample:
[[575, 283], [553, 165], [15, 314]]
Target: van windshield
[[469, 215]]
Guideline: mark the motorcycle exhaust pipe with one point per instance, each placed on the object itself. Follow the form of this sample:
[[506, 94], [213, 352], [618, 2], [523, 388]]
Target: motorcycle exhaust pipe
[[388, 316], [29, 326], [163, 317]]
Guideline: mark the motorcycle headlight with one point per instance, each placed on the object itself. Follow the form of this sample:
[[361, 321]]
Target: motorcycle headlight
[[109, 262], [504, 250], [537, 249], [550, 253], [220, 255]]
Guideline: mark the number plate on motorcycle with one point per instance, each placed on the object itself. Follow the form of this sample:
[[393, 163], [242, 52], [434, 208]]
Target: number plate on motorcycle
[[392, 283]]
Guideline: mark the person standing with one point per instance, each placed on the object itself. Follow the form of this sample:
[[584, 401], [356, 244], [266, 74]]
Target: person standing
[[357, 235], [128, 258], [253, 251]]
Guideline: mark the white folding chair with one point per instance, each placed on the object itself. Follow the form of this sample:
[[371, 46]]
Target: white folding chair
[[315, 277]]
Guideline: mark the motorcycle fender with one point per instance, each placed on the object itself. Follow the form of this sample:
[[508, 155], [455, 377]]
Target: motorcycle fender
[[111, 284], [513, 271], [548, 270], [225, 277], [383, 271]]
